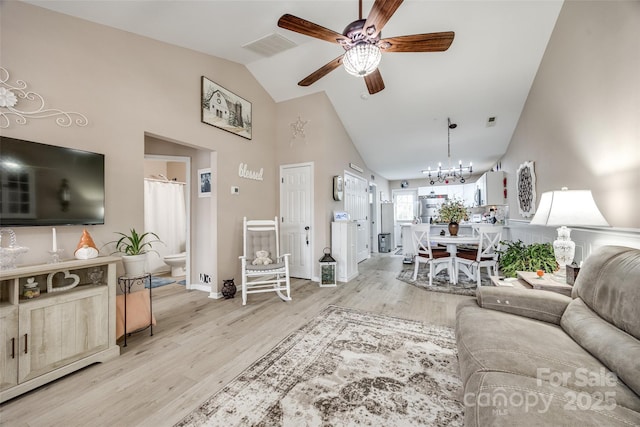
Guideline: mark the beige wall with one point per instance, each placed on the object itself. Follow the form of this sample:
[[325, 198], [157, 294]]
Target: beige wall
[[580, 124], [328, 146], [136, 90]]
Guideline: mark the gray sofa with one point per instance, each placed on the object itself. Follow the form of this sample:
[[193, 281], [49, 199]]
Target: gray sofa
[[537, 358]]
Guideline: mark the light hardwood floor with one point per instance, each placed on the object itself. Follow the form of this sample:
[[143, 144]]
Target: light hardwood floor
[[200, 344]]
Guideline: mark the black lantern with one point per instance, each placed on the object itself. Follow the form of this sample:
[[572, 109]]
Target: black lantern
[[327, 269]]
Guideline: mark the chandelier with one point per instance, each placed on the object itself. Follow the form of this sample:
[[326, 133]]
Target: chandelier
[[451, 173], [362, 59]]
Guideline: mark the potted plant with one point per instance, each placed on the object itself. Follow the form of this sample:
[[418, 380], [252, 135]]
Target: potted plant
[[452, 211], [134, 247], [516, 256]]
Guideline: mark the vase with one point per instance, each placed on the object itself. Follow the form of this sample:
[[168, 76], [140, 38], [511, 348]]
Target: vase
[[134, 265], [453, 228]]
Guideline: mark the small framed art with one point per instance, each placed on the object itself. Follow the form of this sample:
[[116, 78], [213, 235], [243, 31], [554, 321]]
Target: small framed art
[[205, 182]]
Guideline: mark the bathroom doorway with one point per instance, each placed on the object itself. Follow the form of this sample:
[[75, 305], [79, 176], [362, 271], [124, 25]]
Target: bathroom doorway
[[167, 213]]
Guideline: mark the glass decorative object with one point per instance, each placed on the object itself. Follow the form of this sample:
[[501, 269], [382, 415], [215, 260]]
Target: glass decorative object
[[10, 253]]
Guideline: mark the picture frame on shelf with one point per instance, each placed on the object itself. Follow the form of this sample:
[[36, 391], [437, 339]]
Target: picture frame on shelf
[[340, 216], [225, 110], [205, 182]]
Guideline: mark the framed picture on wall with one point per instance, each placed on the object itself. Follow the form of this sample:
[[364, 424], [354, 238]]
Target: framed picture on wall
[[526, 189], [224, 109], [205, 182]]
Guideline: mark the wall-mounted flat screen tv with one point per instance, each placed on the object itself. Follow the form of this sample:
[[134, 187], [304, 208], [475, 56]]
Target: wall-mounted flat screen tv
[[48, 185]]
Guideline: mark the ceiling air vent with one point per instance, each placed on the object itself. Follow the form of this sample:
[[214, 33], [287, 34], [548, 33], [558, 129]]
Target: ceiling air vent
[[270, 45], [491, 121]]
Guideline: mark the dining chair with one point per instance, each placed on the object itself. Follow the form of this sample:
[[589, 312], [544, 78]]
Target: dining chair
[[425, 254], [485, 256]]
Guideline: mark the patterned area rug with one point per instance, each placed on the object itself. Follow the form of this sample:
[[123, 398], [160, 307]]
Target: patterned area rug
[[465, 286], [345, 368]]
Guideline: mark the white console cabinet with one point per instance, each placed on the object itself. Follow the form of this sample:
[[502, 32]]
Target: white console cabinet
[[64, 329], [344, 235]]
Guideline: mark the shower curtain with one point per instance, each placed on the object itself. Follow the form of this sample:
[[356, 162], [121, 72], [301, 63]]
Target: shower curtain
[[165, 215]]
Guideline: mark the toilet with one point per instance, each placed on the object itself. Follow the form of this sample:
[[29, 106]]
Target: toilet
[[177, 262]]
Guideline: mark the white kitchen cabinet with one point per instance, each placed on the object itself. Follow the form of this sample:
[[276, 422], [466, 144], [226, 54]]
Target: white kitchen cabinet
[[59, 332], [469, 194], [344, 235], [491, 186]]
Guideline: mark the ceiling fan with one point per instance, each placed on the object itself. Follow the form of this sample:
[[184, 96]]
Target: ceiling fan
[[363, 45]]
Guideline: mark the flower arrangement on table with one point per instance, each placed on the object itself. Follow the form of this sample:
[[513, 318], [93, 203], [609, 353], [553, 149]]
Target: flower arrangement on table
[[452, 210]]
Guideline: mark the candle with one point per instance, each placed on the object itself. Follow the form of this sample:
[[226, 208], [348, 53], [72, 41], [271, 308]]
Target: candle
[[55, 243]]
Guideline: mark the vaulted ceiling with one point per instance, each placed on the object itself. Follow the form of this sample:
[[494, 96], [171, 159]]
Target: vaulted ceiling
[[402, 130]]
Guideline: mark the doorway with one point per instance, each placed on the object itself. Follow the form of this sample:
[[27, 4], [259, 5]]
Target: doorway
[[167, 213], [356, 203], [296, 217]]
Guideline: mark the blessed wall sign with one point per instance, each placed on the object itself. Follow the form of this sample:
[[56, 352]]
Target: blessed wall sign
[[245, 172]]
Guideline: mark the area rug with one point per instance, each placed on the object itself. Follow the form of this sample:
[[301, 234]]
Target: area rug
[[156, 281], [440, 283], [343, 368]]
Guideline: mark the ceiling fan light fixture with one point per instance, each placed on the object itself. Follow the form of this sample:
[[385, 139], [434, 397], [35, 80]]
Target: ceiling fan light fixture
[[362, 59]]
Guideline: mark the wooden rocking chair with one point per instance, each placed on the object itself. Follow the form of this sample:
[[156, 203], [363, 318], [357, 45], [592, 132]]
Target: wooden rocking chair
[[258, 277]]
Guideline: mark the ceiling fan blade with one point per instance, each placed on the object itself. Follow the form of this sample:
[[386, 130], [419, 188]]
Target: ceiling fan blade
[[321, 72], [380, 13], [374, 82], [302, 26], [431, 42]]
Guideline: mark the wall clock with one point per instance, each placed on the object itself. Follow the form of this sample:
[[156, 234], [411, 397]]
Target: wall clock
[[337, 188]]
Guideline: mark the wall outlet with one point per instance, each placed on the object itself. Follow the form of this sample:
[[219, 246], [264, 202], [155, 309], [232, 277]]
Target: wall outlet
[[235, 190], [205, 278]]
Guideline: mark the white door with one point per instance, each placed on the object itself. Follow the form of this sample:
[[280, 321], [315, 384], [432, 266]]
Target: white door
[[356, 203], [296, 218]]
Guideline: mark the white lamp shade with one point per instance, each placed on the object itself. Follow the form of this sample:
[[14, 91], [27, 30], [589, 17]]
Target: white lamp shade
[[569, 207], [362, 59]]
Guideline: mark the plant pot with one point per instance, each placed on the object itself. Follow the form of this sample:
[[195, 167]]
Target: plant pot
[[453, 228], [134, 265]]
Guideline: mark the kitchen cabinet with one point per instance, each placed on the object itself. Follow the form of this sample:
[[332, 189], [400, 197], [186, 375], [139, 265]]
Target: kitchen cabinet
[[62, 330], [491, 187], [344, 235]]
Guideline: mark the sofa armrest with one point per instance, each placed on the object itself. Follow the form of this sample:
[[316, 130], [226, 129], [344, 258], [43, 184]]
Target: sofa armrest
[[539, 305]]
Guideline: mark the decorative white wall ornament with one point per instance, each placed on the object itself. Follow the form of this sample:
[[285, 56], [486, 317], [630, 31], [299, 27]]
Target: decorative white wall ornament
[[297, 129], [526, 186], [245, 172], [31, 105]]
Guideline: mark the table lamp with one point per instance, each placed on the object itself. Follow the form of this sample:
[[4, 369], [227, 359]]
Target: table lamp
[[562, 208]]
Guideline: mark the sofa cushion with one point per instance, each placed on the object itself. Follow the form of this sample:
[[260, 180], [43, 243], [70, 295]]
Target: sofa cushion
[[505, 399], [619, 351], [490, 340], [545, 306], [609, 284]]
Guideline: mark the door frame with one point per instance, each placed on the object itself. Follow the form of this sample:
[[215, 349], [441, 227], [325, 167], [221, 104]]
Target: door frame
[[367, 212], [311, 211], [187, 196]]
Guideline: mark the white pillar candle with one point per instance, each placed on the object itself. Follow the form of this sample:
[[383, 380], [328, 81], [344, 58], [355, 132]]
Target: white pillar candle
[[55, 242]]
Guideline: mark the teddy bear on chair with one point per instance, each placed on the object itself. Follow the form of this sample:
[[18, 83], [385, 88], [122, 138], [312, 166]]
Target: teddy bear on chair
[[262, 258]]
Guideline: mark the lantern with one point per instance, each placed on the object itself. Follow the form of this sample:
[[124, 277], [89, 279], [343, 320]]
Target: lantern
[[327, 269]]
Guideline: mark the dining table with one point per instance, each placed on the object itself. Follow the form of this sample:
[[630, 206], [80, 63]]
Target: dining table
[[452, 243]]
